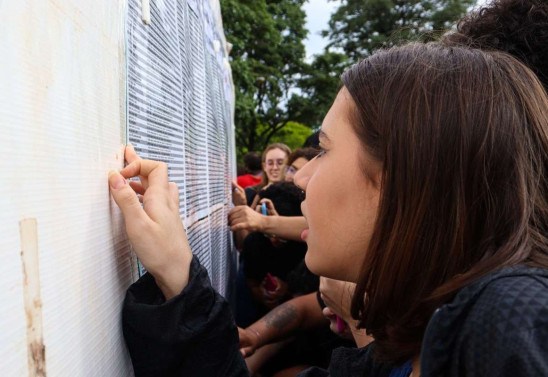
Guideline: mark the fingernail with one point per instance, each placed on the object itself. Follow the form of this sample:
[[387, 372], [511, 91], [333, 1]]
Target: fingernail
[[116, 180]]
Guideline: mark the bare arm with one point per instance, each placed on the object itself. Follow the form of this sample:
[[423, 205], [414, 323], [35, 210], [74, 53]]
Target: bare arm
[[245, 218], [302, 312], [288, 228]]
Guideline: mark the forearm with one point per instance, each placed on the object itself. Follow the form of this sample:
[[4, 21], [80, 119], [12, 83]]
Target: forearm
[[289, 228], [256, 361], [300, 313], [279, 323]]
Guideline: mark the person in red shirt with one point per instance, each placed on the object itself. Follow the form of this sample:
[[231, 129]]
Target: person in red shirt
[[253, 168]]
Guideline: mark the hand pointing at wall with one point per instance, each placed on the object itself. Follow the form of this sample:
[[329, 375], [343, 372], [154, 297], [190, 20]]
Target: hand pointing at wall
[[154, 229]]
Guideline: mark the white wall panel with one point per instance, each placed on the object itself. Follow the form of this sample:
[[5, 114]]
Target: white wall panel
[[64, 99], [62, 111]]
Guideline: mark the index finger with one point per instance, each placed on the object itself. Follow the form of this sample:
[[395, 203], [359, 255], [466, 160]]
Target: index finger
[[154, 171], [268, 203], [130, 155], [255, 201]]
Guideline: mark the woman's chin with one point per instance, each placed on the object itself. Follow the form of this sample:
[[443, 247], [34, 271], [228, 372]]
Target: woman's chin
[[328, 269], [320, 268]]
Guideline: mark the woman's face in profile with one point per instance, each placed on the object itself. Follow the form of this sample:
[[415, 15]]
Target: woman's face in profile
[[341, 201]]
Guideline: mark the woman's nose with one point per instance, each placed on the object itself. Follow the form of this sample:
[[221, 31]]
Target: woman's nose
[[302, 176]]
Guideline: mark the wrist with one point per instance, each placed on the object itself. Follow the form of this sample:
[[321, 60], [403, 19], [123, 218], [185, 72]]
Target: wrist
[[262, 224], [266, 225], [174, 278]]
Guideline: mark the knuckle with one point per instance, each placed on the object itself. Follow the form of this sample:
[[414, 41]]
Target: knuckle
[[162, 165]]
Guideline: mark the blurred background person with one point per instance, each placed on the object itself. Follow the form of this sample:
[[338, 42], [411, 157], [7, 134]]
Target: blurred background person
[[253, 170], [297, 159], [273, 160]]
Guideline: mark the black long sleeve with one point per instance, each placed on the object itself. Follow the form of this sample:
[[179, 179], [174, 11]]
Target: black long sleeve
[[192, 334]]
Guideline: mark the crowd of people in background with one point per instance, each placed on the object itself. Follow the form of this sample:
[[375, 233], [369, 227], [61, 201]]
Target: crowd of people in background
[[272, 271], [273, 279]]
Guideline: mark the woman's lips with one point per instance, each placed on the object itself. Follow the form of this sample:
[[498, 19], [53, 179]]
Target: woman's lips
[[304, 235]]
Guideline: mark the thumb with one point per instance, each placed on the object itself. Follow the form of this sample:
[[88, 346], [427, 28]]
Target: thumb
[[124, 196]]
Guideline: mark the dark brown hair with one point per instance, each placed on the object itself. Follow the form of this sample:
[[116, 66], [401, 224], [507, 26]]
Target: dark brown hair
[[252, 162], [462, 135], [306, 153], [518, 27]]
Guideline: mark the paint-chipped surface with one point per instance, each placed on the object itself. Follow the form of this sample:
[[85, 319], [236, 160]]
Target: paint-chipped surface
[[37, 359], [33, 302]]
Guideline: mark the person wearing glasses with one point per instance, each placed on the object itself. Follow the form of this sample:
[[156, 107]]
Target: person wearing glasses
[[248, 217], [297, 159], [274, 160]]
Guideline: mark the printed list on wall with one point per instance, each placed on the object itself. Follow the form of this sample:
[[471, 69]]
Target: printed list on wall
[[179, 107]]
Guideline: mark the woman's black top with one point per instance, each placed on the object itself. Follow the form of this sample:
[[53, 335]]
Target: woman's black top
[[497, 326]]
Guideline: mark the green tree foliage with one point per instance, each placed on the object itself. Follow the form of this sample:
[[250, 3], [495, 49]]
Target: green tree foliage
[[294, 135], [359, 27], [266, 58], [318, 84]]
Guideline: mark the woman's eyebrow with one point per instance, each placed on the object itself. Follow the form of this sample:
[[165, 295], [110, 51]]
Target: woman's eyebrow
[[323, 135]]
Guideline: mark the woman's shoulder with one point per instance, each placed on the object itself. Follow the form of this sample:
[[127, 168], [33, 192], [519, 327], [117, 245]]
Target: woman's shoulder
[[516, 296], [501, 317]]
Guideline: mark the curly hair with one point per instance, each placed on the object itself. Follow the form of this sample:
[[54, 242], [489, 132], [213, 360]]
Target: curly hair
[[285, 196], [517, 27]]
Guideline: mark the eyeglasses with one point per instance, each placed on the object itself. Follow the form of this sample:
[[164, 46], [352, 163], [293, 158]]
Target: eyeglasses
[[291, 170]]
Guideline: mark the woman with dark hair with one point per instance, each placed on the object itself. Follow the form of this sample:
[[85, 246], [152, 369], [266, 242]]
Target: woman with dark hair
[[431, 193], [441, 222], [456, 189]]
